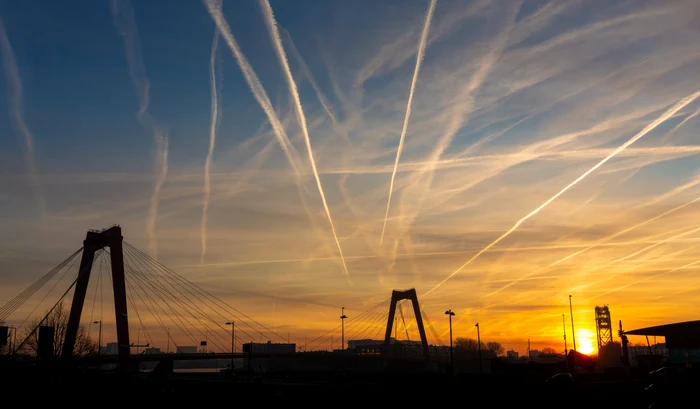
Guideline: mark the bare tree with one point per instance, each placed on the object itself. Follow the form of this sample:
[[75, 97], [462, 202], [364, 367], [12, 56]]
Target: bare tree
[[466, 343], [548, 351], [58, 319], [496, 348]]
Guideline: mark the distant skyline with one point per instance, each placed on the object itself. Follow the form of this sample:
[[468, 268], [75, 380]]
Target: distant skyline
[[296, 157]]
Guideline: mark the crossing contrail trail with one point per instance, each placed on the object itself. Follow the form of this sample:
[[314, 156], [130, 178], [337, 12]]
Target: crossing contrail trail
[[596, 244], [123, 16], [15, 97], [670, 112], [419, 60], [256, 88], [161, 174], [275, 35], [212, 140]]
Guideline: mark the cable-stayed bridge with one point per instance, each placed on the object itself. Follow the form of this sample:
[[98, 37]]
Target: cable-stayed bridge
[[169, 309]]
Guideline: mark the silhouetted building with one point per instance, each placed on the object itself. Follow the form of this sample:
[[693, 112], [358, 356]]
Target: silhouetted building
[[367, 346], [192, 349], [112, 348], [151, 351], [512, 354], [682, 340], [639, 352], [534, 353], [270, 348]]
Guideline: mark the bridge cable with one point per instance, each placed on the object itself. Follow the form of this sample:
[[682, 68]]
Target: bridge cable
[[164, 269], [177, 276], [179, 303], [430, 326], [370, 322], [338, 328], [50, 291], [184, 328], [21, 298], [45, 316], [153, 313], [201, 291], [369, 313], [145, 276], [225, 338], [379, 315], [403, 320]]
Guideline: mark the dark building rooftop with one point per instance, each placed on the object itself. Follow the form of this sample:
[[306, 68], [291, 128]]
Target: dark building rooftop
[[678, 335]]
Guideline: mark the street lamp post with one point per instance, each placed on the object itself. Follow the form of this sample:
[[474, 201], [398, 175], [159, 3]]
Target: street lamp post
[[99, 342], [233, 342], [478, 341], [342, 321], [452, 357], [573, 333]]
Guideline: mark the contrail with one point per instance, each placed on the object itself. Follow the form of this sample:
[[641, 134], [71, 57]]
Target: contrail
[[162, 173], [214, 8], [419, 60], [670, 112], [275, 35], [15, 97], [212, 140], [596, 244], [123, 16]]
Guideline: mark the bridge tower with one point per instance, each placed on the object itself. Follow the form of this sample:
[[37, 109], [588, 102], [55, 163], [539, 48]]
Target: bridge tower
[[603, 326], [397, 296], [94, 241]]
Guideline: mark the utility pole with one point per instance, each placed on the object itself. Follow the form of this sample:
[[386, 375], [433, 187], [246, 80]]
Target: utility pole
[[573, 333], [450, 313], [99, 343], [168, 350], [563, 321], [478, 341], [342, 321]]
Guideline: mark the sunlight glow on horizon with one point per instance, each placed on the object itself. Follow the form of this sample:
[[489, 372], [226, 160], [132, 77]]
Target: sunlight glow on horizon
[[429, 132]]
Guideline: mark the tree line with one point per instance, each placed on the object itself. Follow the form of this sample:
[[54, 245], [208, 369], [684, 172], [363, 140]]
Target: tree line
[[58, 319]]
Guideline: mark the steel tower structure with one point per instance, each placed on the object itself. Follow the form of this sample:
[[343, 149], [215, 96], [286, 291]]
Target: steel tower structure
[[603, 326]]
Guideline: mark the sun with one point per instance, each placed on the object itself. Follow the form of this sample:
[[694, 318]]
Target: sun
[[584, 341]]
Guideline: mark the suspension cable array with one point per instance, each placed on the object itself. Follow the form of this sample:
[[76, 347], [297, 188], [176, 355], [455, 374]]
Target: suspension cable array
[[159, 298]]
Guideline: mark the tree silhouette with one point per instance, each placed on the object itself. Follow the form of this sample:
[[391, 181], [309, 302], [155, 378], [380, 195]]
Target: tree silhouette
[[496, 348], [466, 343], [58, 319], [549, 351]]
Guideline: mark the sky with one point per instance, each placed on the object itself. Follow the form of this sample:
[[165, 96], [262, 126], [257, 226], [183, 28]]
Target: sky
[[298, 157]]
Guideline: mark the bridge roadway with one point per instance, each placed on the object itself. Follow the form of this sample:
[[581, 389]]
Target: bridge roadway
[[224, 355]]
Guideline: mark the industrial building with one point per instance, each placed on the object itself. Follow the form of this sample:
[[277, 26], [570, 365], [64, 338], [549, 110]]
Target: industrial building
[[187, 349], [682, 340], [269, 348]]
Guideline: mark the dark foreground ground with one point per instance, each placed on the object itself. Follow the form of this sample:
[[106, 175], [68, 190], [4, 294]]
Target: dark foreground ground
[[483, 391]]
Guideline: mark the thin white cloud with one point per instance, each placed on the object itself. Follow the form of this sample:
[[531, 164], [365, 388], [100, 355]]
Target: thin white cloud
[[123, 16], [212, 140], [670, 112], [15, 98], [277, 41], [414, 80]]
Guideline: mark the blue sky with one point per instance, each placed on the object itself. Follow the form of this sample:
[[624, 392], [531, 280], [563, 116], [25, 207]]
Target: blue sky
[[512, 103]]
